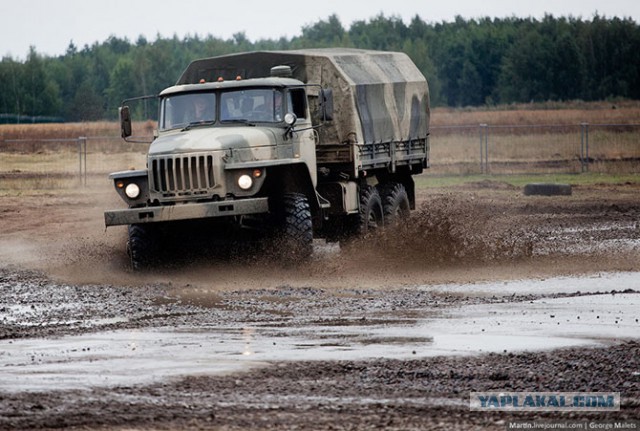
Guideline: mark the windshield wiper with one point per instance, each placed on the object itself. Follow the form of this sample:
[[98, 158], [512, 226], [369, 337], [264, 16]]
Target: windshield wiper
[[197, 124], [238, 121]]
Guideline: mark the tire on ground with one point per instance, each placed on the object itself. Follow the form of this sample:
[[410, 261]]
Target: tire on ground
[[547, 189], [141, 246], [296, 226], [395, 203], [371, 215]]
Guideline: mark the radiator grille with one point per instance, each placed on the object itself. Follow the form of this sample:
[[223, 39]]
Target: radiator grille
[[182, 175]]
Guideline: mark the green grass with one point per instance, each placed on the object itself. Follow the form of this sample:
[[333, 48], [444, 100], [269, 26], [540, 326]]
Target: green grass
[[427, 181]]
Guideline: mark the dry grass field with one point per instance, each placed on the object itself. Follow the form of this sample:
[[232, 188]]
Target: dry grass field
[[541, 114], [523, 115], [66, 130], [540, 139], [537, 139]]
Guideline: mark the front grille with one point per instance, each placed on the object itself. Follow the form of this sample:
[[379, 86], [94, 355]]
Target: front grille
[[182, 175]]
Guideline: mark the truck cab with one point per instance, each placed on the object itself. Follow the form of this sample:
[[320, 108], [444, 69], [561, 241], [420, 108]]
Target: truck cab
[[216, 141]]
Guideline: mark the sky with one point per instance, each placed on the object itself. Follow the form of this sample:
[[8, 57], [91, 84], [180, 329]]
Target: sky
[[50, 25]]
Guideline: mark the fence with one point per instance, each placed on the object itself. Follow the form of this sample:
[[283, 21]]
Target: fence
[[535, 149], [455, 150], [68, 162]]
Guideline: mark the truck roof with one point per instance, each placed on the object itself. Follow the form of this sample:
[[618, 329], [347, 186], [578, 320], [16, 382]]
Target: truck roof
[[221, 85], [379, 96]]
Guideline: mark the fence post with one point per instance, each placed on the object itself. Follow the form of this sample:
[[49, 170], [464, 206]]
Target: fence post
[[82, 156], [484, 148], [584, 146]]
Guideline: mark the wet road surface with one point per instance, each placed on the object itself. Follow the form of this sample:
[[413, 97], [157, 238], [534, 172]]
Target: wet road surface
[[484, 290], [525, 315]]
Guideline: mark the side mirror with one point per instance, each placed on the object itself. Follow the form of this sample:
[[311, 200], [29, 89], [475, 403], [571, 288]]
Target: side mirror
[[125, 121], [326, 104]]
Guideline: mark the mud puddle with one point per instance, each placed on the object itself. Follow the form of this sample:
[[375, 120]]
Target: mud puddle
[[596, 283], [149, 355]]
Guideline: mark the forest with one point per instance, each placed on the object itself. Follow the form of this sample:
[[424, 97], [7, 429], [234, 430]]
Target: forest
[[475, 62]]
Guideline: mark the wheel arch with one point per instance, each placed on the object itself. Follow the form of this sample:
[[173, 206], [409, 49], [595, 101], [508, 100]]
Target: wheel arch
[[294, 178]]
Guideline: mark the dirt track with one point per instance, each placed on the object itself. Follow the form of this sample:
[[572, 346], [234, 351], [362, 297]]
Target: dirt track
[[64, 275]]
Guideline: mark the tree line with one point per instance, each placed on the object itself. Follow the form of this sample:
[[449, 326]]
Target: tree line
[[467, 62]]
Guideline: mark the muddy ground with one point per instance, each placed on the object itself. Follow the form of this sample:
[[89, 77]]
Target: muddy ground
[[335, 344]]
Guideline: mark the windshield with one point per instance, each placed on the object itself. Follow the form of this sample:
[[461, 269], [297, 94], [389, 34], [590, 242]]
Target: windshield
[[187, 109], [251, 105], [235, 106]]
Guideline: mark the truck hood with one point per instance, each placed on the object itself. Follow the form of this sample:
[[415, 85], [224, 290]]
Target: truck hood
[[213, 138]]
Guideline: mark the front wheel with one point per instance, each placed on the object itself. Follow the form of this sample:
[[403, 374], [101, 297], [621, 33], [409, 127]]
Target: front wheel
[[141, 246], [296, 226]]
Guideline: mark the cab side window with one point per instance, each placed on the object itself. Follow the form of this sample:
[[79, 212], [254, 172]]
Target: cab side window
[[298, 102]]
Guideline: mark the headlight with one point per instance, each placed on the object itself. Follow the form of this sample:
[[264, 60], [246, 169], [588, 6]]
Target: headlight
[[132, 191], [245, 182]]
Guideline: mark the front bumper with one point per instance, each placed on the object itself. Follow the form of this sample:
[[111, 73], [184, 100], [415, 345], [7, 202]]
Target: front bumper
[[185, 211]]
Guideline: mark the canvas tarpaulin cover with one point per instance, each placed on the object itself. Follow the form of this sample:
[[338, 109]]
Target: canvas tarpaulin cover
[[378, 96]]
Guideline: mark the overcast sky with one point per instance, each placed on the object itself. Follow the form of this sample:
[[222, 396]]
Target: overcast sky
[[50, 25]]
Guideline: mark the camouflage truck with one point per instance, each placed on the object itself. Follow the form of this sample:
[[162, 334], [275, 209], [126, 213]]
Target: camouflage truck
[[308, 143]]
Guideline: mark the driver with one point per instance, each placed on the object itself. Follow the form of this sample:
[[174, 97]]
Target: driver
[[201, 111]]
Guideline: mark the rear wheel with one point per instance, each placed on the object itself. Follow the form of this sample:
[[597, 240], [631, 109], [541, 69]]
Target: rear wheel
[[141, 246], [371, 214], [296, 226], [395, 203]]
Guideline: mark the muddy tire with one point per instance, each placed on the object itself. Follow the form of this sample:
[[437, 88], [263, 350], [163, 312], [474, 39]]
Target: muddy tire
[[395, 203], [296, 226], [371, 215], [141, 246]]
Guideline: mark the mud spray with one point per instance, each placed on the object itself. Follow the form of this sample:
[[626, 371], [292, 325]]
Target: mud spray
[[444, 234], [459, 236]]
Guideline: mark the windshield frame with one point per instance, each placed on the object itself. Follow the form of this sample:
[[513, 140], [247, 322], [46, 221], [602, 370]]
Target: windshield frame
[[268, 106]]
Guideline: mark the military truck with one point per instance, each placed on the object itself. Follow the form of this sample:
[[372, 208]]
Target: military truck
[[307, 143]]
